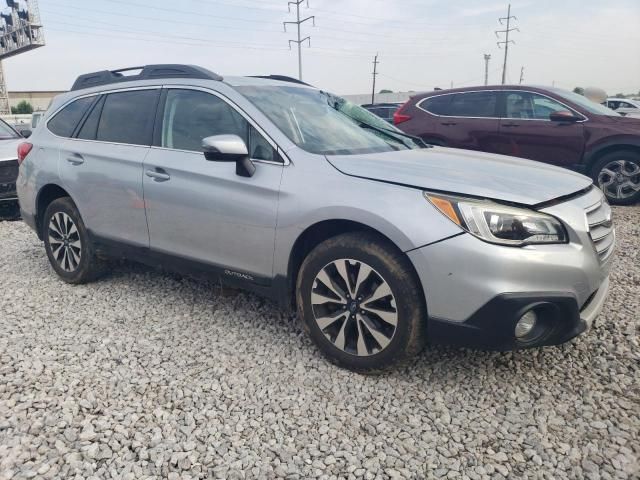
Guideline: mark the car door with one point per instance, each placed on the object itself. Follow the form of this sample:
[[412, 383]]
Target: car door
[[526, 130], [467, 120], [202, 210], [101, 164]]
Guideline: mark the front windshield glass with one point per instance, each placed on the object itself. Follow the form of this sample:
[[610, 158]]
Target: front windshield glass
[[6, 131], [585, 103], [324, 124]]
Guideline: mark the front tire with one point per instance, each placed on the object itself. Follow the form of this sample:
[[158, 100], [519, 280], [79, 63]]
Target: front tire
[[361, 303], [67, 243], [618, 176]]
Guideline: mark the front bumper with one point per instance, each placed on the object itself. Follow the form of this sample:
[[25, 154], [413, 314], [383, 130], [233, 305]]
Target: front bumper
[[493, 326], [8, 176], [476, 292]]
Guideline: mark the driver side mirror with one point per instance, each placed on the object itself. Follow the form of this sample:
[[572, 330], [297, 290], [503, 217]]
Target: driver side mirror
[[229, 148], [564, 116]]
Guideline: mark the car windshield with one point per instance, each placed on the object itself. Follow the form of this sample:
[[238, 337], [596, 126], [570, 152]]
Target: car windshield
[[325, 124], [6, 132], [585, 103]]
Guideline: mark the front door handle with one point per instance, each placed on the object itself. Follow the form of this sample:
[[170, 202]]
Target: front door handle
[[448, 124], [159, 175], [510, 124], [75, 159]]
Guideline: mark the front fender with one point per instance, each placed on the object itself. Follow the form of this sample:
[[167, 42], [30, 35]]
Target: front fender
[[400, 213]]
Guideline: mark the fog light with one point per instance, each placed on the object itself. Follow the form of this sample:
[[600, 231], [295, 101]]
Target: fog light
[[526, 324]]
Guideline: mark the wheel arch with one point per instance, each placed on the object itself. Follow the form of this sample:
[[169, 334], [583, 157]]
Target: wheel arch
[[321, 231], [46, 195], [605, 149]]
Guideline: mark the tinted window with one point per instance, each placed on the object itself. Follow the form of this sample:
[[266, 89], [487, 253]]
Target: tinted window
[[90, 127], [531, 106], [437, 105], [66, 120], [191, 116], [473, 104], [127, 117]]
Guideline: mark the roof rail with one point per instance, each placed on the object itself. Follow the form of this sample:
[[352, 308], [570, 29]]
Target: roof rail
[[149, 72], [282, 78]]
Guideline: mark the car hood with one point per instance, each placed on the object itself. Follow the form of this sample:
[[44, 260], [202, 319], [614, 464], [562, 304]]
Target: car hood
[[9, 148], [467, 173]]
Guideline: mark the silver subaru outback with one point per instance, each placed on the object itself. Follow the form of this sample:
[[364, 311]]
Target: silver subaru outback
[[381, 242]]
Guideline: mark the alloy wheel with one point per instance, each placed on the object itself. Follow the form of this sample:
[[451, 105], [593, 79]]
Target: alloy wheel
[[620, 179], [354, 307], [64, 241]]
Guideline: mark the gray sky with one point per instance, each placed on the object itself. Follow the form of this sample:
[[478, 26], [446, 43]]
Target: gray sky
[[422, 43]]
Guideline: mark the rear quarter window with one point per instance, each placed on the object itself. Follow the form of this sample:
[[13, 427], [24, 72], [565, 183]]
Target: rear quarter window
[[437, 105], [65, 121]]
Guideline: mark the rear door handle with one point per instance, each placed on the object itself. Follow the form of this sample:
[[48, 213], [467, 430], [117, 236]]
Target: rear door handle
[[448, 124], [510, 124], [75, 159], [159, 175]]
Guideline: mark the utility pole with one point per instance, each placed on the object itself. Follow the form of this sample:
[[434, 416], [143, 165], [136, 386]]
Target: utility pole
[[298, 23], [521, 75], [506, 41], [487, 57], [375, 74]]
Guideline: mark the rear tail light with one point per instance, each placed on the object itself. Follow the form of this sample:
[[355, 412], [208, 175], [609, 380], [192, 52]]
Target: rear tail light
[[23, 150], [400, 117]]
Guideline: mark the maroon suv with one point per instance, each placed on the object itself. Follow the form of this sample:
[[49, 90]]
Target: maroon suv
[[546, 124]]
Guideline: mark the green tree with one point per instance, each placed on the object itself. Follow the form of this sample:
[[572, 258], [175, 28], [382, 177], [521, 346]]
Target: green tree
[[386, 91], [620, 95], [23, 108], [579, 90]]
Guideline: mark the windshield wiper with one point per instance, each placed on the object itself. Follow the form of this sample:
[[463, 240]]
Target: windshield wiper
[[392, 133], [337, 102]]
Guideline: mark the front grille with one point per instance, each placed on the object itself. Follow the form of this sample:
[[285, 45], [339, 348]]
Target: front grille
[[601, 228], [8, 171]]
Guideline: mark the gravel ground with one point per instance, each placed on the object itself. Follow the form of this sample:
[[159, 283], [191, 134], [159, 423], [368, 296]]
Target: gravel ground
[[148, 375]]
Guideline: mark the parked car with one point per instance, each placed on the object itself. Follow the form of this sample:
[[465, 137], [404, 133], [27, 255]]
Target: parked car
[[380, 242], [624, 106], [9, 141], [545, 124], [35, 119], [383, 110]]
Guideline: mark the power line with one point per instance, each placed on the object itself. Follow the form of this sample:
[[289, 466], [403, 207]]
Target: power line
[[298, 23], [506, 41], [521, 75]]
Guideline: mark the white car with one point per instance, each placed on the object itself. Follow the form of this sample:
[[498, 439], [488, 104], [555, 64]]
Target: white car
[[624, 106]]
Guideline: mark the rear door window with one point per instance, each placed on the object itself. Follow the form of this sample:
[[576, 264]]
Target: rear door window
[[90, 128], [473, 104], [127, 117], [66, 120]]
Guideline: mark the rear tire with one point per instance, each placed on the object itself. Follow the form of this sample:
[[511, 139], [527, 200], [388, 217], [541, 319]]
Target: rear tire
[[67, 243], [360, 301], [618, 176]]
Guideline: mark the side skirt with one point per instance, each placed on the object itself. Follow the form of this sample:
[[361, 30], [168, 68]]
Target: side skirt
[[273, 289]]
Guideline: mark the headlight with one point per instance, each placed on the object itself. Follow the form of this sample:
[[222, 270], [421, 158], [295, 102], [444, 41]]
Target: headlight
[[498, 223]]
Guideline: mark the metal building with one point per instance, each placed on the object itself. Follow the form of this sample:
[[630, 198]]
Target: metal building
[[20, 31]]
